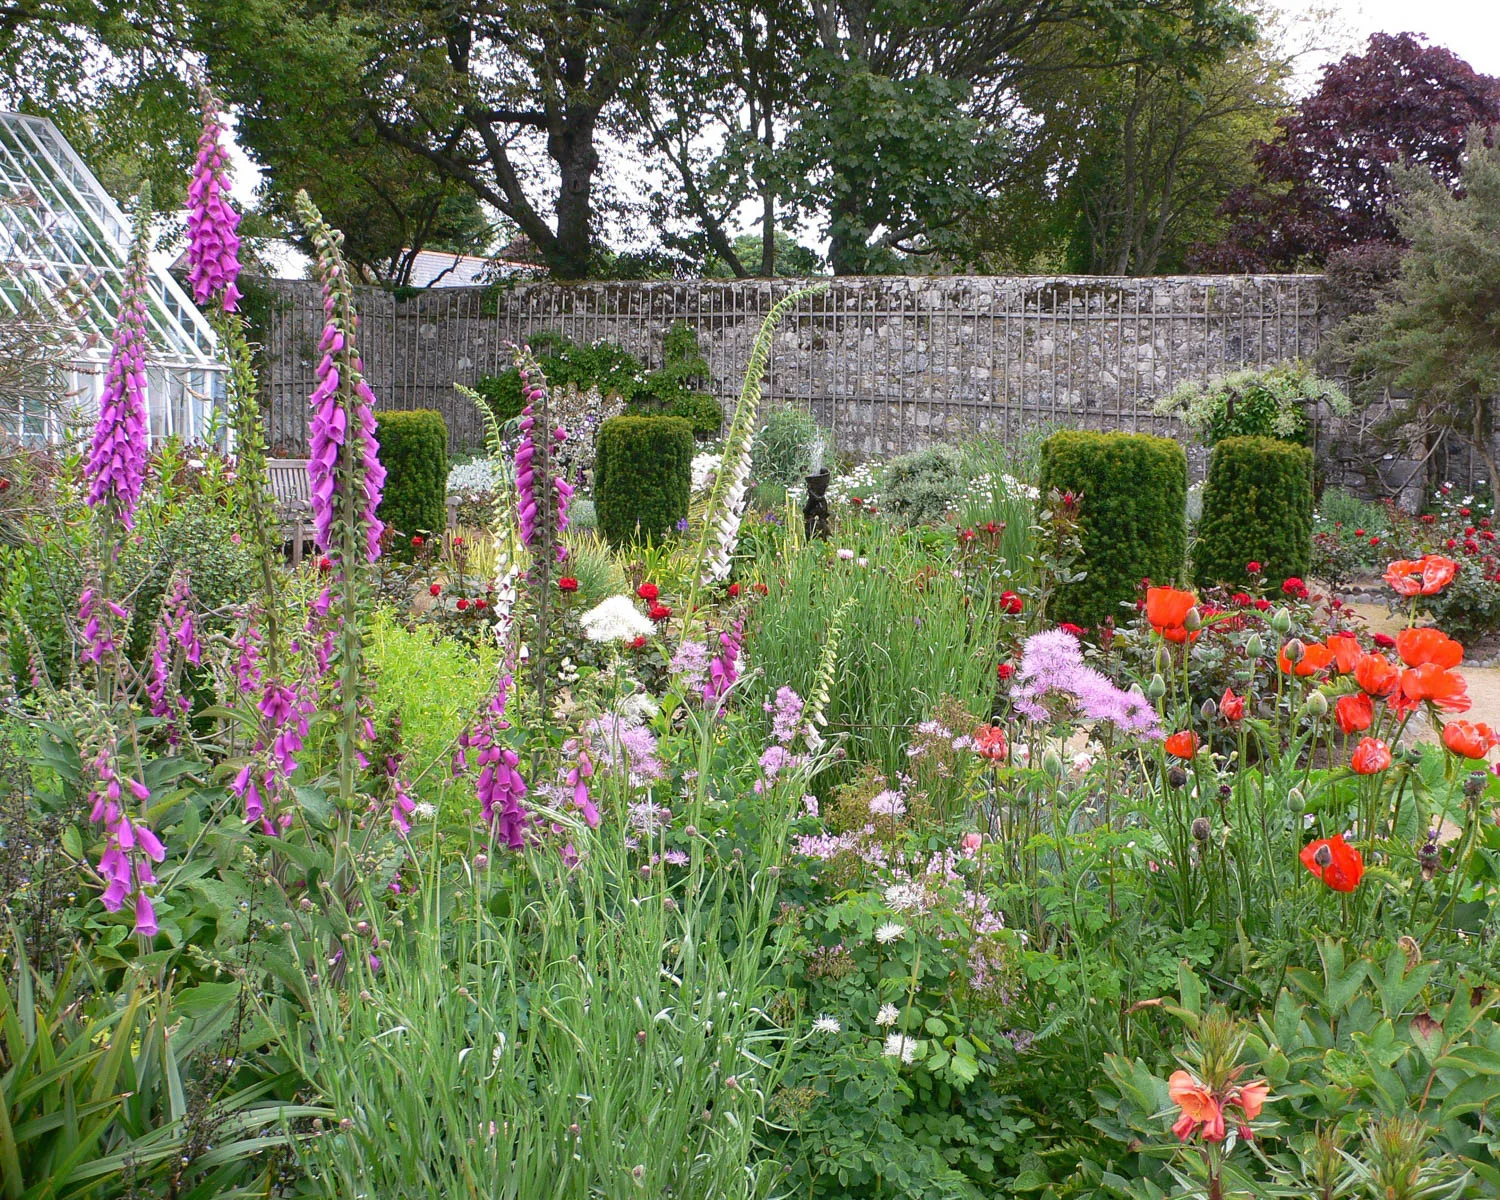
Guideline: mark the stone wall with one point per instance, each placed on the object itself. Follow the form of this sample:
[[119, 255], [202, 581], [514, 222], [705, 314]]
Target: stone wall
[[888, 364]]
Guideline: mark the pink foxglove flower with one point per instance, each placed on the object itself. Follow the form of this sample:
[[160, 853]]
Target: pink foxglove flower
[[97, 617], [500, 786], [130, 846], [117, 456], [541, 496], [723, 668], [213, 244], [576, 779]]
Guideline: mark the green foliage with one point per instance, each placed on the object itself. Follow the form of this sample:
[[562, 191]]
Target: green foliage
[[414, 452], [1132, 493], [671, 391], [1257, 507], [1273, 403], [602, 365], [786, 447], [924, 485], [1435, 339], [642, 477]]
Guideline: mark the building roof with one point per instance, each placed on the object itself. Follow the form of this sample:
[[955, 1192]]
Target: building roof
[[63, 249], [445, 269]]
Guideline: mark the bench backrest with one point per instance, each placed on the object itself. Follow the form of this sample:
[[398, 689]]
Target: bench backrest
[[288, 482]]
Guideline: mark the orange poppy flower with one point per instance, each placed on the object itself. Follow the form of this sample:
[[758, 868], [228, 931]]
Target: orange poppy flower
[[1370, 757], [1354, 713], [1198, 1107], [1425, 576], [1346, 651], [1334, 861], [1418, 647], [1182, 744], [1430, 682], [1166, 609], [1231, 706], [1377, 675], [1469, 741], [1314, 658]]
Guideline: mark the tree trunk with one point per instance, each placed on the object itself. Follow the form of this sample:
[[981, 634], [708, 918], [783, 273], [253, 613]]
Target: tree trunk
[[572, 148]]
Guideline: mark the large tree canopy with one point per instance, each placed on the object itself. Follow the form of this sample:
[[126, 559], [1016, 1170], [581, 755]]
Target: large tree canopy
[[1325, 180]]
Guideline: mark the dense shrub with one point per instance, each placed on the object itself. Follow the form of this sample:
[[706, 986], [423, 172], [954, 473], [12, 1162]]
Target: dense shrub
[[1257, 507], [924, 486], [786, 447], [674, 391], [642, 476], [414, 451], [1132, 489], [1269, 403], [602, 365]]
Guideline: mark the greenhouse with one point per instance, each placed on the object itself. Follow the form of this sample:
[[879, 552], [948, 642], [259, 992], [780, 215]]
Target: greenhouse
[[63, 246]]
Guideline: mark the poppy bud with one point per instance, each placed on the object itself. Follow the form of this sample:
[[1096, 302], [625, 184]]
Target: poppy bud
[[1210, 710], [1295, 803], [1157, 688], [1176, 776], [1052, 762], [1201, 829], [1294, 650], [1281, 620], [1254, 647], [1163, 660], [1193, 621], [1317, 705]]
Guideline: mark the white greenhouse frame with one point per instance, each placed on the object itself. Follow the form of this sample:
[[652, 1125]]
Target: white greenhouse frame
[[63, 248]]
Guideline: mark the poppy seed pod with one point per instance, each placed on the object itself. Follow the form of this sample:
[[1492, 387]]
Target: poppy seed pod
[[1281, 620], [1474, 783], [1177, 777], [1254, 647], [1193, 622], [1157, 688], [1317, 705]]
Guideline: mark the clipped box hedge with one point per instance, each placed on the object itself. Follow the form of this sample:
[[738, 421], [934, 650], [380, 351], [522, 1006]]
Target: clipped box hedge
[[1132, 491], [643, 474], [1257, 507], [414, 452]]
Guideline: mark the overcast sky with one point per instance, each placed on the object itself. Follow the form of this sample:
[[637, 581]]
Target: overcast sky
[[1470, 28]]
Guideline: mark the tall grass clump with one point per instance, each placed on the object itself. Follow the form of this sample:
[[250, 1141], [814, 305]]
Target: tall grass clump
[[1002, 490], [912, 634]]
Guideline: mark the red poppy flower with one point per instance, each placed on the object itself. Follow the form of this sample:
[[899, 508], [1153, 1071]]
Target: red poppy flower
[[1359, 533], [1354, 713], [1314, 658], [1069, 627], [463, 605], [434, 590], [638, 641], [1335, 862], [1005, 670], [1231, 706], [1182, 744], [1425, 576], [1374, 541], [417, 540], [1346, 651], [1384, 640], [1167, 609], [659, 612], [1469, 741], [648, 591], [1370, 757], [479, 603], [734, 590], [1441, 688], [760, 589], [1419, 646], [1377, 675], [1011, 603], [567, 584], [989, 742]]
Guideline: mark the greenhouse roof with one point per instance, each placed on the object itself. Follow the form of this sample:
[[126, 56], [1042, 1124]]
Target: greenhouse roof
[[63, 248]]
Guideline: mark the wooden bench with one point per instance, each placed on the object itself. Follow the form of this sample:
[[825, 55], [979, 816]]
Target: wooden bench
[[291, 495]]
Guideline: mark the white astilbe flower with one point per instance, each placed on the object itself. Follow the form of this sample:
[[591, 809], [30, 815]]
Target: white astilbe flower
[[615, 620], [900, 1046], [906, 897], [888, 1015], [890, 932], [827, 1024]]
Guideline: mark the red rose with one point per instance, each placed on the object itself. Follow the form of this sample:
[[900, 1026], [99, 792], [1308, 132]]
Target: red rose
[[463, 605], [1374, 541], [1428, 518], [325, 564], [1005, 670], [1384, 640], [1359, 533], [1252, 567], [1463, 512], [567, 584], [1262, 605], [638, 642], [417, 540], [1069, 627], [659, 612], [734, 590], [648, 591], [479, 604], [1295, 588], [434, 590], [1452, 543], [1011, 603]]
